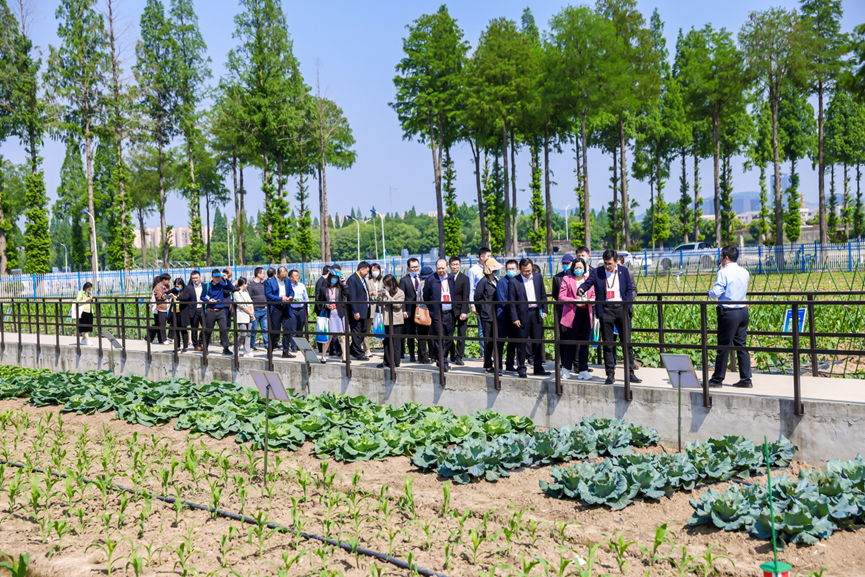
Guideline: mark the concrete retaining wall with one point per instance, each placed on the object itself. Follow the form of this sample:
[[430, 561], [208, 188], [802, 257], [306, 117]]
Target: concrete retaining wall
[[828, 430]]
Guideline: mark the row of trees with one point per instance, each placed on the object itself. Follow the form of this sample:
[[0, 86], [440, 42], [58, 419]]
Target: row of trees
[[147, 134], [603, 77]]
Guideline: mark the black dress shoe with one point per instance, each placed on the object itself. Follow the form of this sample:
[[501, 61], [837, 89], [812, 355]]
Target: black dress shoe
[[744, 385], [510, 370], [610, 380], [287, 355], [380, 366], [716, 384], [459, 362], [635, 378], [412, 360], [425, 362], [591, 370], [184, 349], [522, 375], [363, 358], [542, 373], [226, 351]]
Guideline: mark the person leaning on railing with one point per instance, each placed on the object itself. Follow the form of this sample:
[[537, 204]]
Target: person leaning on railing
[[485, 299], [84, 312], [731, 284], [393, 301]]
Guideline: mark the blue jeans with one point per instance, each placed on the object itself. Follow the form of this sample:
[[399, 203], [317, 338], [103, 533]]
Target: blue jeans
[[259, 323]]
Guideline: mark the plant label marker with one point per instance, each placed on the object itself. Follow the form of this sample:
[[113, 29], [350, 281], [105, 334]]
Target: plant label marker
[[686, 376], [269, 386], [772, 568]]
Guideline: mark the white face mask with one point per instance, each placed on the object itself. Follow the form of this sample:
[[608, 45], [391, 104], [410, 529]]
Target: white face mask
[[375, 274]]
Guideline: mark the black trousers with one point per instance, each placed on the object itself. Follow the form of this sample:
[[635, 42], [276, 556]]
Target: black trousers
[[507, 331], [581, 331], [280, 316], [424, 346], [487, 330], [358, 329], [447, 328], [396, 338], [408, 342], [616, 316], [532, 329], [180, 330], [732, 330], [195, 322], [212, 318], [297, 322], [460, 328], [157, 331]]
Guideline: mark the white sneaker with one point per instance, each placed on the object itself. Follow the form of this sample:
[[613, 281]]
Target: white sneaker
[[565, 373], [248, 355], [585, 376], [85, 342]]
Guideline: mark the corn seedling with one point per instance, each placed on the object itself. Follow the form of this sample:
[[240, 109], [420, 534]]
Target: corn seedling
[[476, 541], [184, 551], [16, 568], [559, 530], [215, 495], [685, 564], [14, 491], [61, 528], [376, 571], [225, 549], [392, 534], [429, 530], [587, 563], [260, 532], [109, 548], [525, 568], [45, 526], [709, 561], [407, 500], [446, 497], [662, 536]]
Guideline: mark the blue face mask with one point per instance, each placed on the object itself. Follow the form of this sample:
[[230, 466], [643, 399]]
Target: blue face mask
[[334, 280], [578, 272], [512, 273], [413, 274]]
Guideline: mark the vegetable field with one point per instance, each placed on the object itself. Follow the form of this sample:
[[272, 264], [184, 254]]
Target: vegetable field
[[103, 474]]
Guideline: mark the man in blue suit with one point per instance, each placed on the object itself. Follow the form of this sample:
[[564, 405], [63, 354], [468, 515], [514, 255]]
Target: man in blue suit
[[506, 327], [613, 285], [439, 291], [527, 314], [358, 312], [278, 290]]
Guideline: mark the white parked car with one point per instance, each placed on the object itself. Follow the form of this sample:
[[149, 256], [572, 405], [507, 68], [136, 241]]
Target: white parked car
[[692, 254], [636, 260]]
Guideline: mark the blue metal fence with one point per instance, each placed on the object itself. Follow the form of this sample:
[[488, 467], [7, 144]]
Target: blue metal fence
[[802, 257]]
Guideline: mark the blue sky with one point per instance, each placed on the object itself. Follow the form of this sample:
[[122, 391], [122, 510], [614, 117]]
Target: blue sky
[[356, 46]]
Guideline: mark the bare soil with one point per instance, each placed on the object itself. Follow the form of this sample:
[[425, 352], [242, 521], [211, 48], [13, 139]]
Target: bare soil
[[375, 512]]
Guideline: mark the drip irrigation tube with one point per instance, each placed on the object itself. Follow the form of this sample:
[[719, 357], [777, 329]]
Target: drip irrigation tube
[[245, 519]]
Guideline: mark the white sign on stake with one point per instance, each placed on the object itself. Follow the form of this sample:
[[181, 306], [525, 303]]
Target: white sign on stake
[[265, 379]]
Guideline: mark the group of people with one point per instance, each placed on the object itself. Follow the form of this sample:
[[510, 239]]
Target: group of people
[[427, 309]]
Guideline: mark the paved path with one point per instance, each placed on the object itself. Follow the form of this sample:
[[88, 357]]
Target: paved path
[[776, 386]]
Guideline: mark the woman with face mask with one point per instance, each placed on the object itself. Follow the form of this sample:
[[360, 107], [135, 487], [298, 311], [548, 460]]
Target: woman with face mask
[[576, 322], [332, 293], [374, 285]]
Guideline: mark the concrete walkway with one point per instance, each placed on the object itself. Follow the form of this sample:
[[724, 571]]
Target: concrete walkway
[[843, 390]]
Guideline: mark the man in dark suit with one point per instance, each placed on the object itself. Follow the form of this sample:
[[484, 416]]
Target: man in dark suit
[[410, 284], [527, 314], [196, 314], [358, 312], [278, 290], [439, 291], [506, 328], [462, 289], [613, 285]]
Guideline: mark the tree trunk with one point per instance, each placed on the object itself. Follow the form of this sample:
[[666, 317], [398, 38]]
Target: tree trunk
[[238, 215], [143, 237], [684, 179], [4, 263], [118, 136], [163, 239], [194, 200], [476, 155], [696, 196], [91, 206], [652, 208], [626, 220], [547, 194], [821, 168], [615, 200], [514, 191], [436, 145], [207, 210], [325, 225], [588, 214], [779, 204], [846, 197], [716, 160], [283, 257], [242, 220], [508, 245]]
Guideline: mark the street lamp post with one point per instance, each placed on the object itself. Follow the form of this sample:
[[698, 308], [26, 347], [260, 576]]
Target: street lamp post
[[95, 259], [383, 248], [228, 244], [65, 256], [567, 228], [358, 236]]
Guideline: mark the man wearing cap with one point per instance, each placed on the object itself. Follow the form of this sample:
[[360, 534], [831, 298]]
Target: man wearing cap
[[215, 307]]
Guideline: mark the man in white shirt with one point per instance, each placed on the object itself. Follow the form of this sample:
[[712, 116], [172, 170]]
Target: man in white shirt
[[299, 307], [475, 274], [528, 310], [196, 315], [731, 285]]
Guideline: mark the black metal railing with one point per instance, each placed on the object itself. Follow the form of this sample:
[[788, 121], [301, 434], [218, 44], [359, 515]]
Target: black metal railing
[[124, 319]]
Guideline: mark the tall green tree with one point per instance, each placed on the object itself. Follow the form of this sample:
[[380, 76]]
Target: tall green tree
[[799, 129], [120, 110], [8, 60], [494, 202], [500, 81], [845, 133], [190, 68], [821, 19], [428, 84], [775, 44], [683, 128], [146, 183], [156, 98], [716, 83], [578, 36], [736, 134], [77, 73], [539, 234], [632, 79], [453, 239], [759, 154]]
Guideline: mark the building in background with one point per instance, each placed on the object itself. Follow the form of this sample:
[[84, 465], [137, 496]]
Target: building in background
[[179, 236]]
